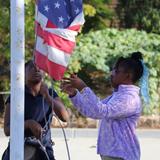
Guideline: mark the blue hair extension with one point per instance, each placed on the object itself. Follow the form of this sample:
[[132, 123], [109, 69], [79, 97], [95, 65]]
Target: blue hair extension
[[144, 84]]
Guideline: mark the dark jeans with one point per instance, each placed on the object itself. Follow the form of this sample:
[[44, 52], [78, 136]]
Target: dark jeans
[[39, 155]]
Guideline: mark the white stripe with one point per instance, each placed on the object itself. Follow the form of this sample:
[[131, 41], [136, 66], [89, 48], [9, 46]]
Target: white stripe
[[36, 11], [64, 33], [40, 46], [79, 20], [41, 19], [58, 57], [55, 55]]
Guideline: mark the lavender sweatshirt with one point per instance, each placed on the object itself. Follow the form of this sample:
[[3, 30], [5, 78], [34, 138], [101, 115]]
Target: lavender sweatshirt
[[118, 115]]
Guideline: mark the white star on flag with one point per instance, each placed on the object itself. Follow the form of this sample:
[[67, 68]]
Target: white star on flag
[[61, 19], [69, 17], [46, 8], [57, 5], [77, 11]]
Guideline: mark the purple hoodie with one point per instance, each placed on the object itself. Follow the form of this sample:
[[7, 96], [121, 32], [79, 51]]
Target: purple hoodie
[[118, 116]]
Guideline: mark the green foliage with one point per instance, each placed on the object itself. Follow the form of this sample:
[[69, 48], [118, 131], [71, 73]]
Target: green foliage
[[89, 10], [99, 51], [56, 85], [97, 15], [5, 28], [29, 27], [144, 14], [4, 43], [5, 38]]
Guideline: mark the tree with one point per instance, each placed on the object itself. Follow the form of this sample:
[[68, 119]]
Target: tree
[[142, 14], [97, 15], [4, 43]]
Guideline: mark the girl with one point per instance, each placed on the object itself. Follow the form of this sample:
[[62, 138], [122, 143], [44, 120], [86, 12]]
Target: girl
[[118, 113]]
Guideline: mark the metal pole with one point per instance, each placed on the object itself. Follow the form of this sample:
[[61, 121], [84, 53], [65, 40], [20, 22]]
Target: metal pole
[[17, 81]]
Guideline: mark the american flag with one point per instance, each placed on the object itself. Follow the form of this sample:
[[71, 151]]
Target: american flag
[[57, 24]]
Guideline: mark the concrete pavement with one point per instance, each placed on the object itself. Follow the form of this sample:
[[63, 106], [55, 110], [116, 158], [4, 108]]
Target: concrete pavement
[[82, 144]]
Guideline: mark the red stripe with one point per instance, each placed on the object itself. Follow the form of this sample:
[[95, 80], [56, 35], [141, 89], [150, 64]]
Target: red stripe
[[54, 70], [41, 61], [55, 40], [75, 28], [50, 25]]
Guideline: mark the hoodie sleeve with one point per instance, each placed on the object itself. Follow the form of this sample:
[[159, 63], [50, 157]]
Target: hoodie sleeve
[[119, 105]]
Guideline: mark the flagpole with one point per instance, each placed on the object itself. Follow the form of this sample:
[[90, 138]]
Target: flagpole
[[17, 81]]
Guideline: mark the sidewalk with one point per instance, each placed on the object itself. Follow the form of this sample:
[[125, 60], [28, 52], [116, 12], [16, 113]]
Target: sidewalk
[[82, 144]]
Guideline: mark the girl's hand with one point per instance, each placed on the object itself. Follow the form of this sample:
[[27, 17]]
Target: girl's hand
[[67, 88], [75, 82]]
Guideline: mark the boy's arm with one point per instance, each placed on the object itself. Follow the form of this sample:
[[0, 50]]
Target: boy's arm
[[56, 103], [32, 125], [58, 107]]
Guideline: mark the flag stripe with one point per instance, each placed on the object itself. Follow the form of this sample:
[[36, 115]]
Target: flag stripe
[[64, 33], [49, 66], [53, 54], [41, 19], [40, 46], [75, 28], [41, 61], [50, 25], [55, 41], [79, 20], [58, 57]]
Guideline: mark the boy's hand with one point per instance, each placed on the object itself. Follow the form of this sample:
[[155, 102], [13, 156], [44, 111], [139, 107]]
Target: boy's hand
[[35, 128], [44, 90]]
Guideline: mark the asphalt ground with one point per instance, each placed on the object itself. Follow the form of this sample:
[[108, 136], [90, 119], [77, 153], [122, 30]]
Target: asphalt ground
[[82, 144]]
